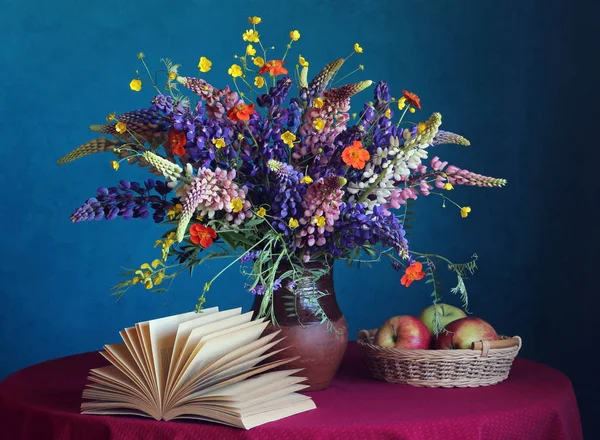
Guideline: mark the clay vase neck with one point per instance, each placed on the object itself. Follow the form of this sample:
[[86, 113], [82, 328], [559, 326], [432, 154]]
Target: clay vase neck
[[314, 327]]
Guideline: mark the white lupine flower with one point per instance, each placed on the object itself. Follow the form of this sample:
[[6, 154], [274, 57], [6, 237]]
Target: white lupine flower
[[170, 170]]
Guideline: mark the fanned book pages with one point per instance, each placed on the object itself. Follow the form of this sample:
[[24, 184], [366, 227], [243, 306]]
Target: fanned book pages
[[211, 366]]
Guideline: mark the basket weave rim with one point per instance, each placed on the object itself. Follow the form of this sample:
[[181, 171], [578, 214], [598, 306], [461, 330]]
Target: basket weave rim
[[365, 339]]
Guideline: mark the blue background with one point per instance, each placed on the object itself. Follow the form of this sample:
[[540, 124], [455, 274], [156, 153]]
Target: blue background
[[510, 76]]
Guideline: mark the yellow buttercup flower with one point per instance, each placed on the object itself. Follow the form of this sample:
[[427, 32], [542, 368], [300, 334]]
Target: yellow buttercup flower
[[288, 138], [448, 186], [172, 75], [319, 124], [319, 220], [135, 85], [218, 142], [254, 20], [111, 117], [250, 50], [121, 127], [357, 48], [421, 127], [259, 81], [259, 61], [318, 103], [261, 212], [361, 67], [293, 223], [401, 103], [204, 64], [237, 204], [412, 110], [140, 55], [158, 278], [306, 179], [235, 70], [354, 115], [294, 35], [388, 113], [464, 211], [250, 35], [115, 165], [302, 61], [172, 213]]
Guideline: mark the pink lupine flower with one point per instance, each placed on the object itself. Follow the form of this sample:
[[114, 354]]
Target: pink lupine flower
[[323, 198], [209, 192], [437, 164], [425, 187]]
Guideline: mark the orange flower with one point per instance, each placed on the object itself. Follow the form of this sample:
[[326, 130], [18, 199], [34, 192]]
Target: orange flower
[[241, 112], [413, 272], [412, 99], [274, 67], [202, 235], [355, 156], [177, 141]]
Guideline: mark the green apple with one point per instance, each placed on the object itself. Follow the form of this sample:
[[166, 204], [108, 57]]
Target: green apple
[[446, 313]]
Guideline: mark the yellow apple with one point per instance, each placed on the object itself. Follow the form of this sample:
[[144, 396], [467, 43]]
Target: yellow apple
[[446, 313]]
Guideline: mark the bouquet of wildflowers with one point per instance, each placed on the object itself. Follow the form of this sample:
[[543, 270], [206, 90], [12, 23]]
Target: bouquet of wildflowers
[[273, 178]]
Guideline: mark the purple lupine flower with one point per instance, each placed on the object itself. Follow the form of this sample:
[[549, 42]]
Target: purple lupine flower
[[382, 96], [163, 103], [285, 194], [356, 228], [250, 256], [259, 289], [396, 265], [121, 201]]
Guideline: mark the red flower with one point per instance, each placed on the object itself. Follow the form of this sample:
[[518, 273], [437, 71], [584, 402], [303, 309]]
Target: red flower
[[274, 67], [177, 141], [413, 272], [241, 112], [412, 99], [355, 156], [202, 235]]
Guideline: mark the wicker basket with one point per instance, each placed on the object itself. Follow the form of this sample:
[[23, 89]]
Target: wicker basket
[[488, 363]]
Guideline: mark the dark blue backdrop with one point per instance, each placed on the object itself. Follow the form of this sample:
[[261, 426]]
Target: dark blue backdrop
[[507, 75]]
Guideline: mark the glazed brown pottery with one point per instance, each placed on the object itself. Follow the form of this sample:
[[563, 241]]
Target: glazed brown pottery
[[320, 346]]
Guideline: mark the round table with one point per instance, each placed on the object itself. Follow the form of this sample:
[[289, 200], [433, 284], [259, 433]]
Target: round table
[[535, 402]]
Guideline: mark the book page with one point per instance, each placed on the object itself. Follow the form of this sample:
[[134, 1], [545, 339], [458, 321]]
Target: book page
[[240, 377], [201, 381], [120, 357], [111, 379], [244, 353], [185, 342], [237, 396], [185, 328], [143, 335], [134, 345], [162, 333], [285, 407], [192, 345], [216, 345]]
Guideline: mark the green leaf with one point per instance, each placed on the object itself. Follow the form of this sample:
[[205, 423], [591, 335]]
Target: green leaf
[[228, 240]]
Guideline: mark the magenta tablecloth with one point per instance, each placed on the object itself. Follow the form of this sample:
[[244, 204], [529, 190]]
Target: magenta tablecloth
[[535, 402]]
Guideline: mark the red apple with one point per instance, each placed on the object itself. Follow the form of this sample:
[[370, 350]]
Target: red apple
[[403, 332], [463, 332]]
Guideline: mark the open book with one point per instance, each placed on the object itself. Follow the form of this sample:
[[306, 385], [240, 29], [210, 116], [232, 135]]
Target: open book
[[210, 366]]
